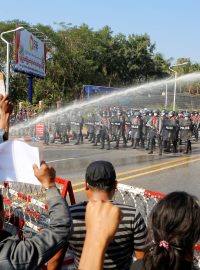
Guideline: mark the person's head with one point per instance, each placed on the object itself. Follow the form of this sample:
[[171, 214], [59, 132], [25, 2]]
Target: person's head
[[174, 229], [187, 116], [171, 114], [137, 114], [100, 177], [156, 112]]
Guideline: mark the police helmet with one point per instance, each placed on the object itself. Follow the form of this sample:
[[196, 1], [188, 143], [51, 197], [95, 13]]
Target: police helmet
[[171, 113], [137, 114], [119, 112], [180, 113], [113, 113], [104, 114], [187, 114], [141, 111], [156, 112], [164, 112], [145, 111], [128, 113]]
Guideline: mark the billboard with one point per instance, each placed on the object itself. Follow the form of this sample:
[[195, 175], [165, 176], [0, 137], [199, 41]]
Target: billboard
[[30, 54]]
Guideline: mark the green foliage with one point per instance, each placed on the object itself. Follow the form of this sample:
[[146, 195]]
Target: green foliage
[[79, 55]]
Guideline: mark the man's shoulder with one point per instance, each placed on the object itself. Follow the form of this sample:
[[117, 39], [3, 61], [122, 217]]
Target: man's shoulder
[[82, 206], [125, 208], [78, 208], [4, 234]]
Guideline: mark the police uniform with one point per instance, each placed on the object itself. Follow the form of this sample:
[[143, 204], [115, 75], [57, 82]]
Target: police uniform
[[120, 121], [136, 129], [185, 126], [155, 129], [104, 134]]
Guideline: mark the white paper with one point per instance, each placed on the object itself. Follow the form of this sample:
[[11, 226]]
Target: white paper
[[16, 161]]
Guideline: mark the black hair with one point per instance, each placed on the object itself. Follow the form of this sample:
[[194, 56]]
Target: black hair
[[175, 219], [103, 186], [100, 175]]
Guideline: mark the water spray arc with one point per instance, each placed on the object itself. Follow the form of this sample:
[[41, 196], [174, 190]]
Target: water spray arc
[[144, 88]]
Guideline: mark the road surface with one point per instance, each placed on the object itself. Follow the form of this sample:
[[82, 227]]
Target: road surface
[[164, 173]]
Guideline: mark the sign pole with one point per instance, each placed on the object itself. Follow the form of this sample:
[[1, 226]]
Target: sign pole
[[30, 89]]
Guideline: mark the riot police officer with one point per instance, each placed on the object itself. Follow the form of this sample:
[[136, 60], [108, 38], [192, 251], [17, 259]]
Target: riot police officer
[[155, 128], [163, 131], [128, 126], [114, 125], [79, 127], [185, 126], [55, 129], [97, 128], [63, 127], [145, 128], [136, 129], [120, 128], [195, 124], [90, 127], [46, 133], [171, 128], [104, 134]]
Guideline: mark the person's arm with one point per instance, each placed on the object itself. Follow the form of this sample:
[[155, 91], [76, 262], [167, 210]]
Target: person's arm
[[6, 108], [139, 236], [139, 254], [34, 252], [102, 220], [56, 261], [149, 123]]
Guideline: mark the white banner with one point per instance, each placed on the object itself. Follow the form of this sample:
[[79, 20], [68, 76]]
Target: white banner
[[17, 159], [30, 54]]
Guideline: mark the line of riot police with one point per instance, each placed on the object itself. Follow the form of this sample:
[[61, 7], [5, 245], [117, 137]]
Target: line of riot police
[[146, 129]]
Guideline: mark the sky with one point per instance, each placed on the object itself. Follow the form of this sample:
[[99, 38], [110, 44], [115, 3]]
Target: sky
[[173, 25]]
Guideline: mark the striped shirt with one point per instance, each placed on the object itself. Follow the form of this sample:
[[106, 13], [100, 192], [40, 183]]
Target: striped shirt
[[130, 236]]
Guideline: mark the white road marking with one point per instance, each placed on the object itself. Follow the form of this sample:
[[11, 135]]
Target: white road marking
[[57, 160]]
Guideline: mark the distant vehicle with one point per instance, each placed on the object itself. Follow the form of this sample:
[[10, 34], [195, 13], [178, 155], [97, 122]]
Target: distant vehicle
[[90, 91]]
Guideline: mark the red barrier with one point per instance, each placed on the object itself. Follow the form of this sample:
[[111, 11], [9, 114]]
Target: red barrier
[[19, 223], [67, 189], [39, 129], [64, 185]]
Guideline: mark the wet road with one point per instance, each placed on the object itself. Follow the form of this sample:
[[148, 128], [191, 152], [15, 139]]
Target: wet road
[[164, 173]]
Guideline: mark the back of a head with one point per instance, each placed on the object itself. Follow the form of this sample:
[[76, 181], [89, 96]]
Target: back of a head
[[100, 175], [174, 229]]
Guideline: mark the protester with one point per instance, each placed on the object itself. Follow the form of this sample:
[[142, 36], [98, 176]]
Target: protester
[[6, 108], [174, 229], [102, 220], [129, 239], [34, 252], [175, 218]]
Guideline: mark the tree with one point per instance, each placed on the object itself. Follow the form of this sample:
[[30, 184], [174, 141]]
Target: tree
[[78, 55]]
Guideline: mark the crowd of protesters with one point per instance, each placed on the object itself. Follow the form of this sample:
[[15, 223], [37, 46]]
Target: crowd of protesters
[[103, 234], [22, 115]]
